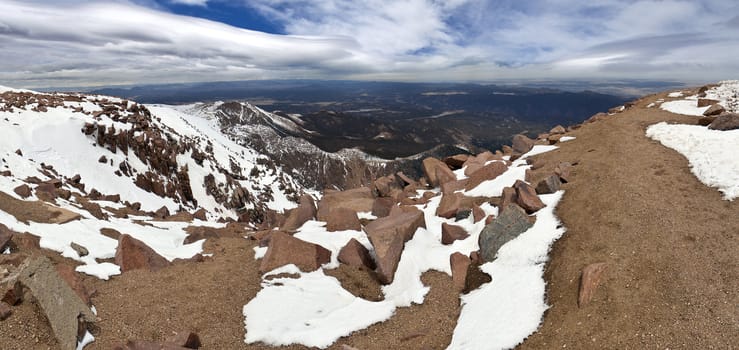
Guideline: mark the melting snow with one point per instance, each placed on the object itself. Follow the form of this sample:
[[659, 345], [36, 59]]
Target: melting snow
[[708, 151], [566, 138], [314, 310]]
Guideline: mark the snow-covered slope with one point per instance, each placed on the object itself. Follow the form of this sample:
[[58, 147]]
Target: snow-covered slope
[[112, 163]]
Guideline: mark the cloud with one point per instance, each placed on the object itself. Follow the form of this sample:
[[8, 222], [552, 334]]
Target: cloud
[[78, 42], [190, 2]]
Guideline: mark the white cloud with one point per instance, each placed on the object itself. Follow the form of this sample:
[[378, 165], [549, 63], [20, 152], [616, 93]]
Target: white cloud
[[190, 2], [78, 42]]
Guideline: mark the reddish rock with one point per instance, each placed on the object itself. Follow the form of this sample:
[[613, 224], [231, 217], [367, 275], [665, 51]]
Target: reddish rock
[[714, 110], [564, 171], [559, 129], [705, 102], [508, 197], [430, 168], [488, 172], [6, 173], [550, 184], [706, 120], [13, 295], [388, 236], [527, 198], [187, 340], [357, 199], [341, 219], [132, 254], [459, 263], [5, 311], [522, 144], [444, 175], [305, 211], [399, 209], [554, 139], [454, 186], [472, 167], [384, 185], [456, 161], [382, 206], [477, 213], [201, 214], [23, 190], [450, 203], [162, 212], [403, 177], [72, 278], [111, 233], [355, 254], [451, 233], [26, 241], [284, 249], [46, 192], [589, 281]]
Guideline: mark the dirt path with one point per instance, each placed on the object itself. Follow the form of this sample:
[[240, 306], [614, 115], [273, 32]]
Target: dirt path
[[670, 242]]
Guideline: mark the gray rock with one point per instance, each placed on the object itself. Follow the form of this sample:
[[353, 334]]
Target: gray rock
[[550, 184], [81, 251], [509, 224], [68, 315], [728, 121]]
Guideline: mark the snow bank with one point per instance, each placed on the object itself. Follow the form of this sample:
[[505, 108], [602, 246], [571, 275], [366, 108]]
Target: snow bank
[[502, 313], [725, 93], [708, 151], [686, 107]]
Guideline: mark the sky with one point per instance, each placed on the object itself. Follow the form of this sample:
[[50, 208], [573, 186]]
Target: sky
[[68, 43]]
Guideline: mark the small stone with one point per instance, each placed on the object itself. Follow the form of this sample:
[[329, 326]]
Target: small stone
[[5, 311], [522, 144], [714, 110], [341, 219], [564, 171], [527, 198], [81, 251], [132, 254], [589, 281], [23, 191], [103, 159], [162, 212], [187, 340], [451, 233]]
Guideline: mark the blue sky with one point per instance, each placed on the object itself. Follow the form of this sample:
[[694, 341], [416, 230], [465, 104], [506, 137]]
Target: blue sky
[[109, 42]]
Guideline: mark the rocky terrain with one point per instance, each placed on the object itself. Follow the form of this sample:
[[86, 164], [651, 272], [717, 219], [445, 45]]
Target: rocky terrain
[[642, 251]]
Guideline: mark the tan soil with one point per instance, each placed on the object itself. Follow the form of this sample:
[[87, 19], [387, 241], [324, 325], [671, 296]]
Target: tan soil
[[670, 243], [36, 211]]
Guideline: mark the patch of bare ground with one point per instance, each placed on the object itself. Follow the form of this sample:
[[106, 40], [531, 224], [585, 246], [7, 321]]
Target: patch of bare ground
[[36, 211], [671, 245]]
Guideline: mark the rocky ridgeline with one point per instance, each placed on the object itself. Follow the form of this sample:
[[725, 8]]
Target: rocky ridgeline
[[131, 129], [393, 200]]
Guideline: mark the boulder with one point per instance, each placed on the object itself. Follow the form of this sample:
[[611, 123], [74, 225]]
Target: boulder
[[727, 121], [507, 197], [487, 172], [705, 102], [358, 199], [23, 191], [526, 197], [456, 161], [284, 249], [200, 214], [162, 212], [510, 223], [111, 233], [548, 185], [706, 120], [385, 184], [132, 254], [355, 254], [444, 175], [69, 275], [559, 129], [714, 110], [305, 211], [388, 236], [450, 203], [522, 144], [564, 171], [453, 186], [68, 315], [382, 206], [430, 168], [341, 219], [589, 281], [46, 192], [459, 264], [451, 233]]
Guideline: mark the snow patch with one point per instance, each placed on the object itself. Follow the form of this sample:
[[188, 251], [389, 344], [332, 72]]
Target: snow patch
[[708, 151]]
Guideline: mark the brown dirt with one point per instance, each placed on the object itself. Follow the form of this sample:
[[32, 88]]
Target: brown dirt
[[670, 243]]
